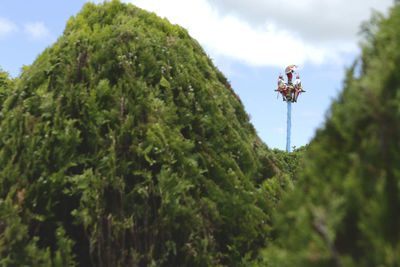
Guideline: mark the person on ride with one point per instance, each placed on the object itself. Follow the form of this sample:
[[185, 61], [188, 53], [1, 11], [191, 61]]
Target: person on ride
[[282, 88], [297, 88], [289, 72]]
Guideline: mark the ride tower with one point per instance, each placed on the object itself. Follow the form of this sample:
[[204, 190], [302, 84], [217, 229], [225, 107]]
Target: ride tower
[[290, 93]]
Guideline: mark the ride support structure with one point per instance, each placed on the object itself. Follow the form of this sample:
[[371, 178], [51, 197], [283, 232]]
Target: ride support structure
[[290, 92], [288, 125]]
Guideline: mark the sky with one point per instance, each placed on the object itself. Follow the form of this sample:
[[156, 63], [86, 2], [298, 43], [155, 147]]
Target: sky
[[250, 41]]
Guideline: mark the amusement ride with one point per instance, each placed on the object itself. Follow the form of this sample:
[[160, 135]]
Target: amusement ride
[[290, 93]]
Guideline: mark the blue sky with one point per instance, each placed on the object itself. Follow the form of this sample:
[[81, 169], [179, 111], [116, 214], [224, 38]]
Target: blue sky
[[250, 41]]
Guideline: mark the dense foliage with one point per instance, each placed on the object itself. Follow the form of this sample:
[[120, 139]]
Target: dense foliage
[[290, 163], [344, 210], [6, 85], [124, 145]]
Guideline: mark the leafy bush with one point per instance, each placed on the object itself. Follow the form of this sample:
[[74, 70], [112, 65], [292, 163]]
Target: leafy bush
[[290, 163]]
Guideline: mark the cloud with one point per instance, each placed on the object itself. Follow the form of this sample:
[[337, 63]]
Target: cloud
[[271, 33], [312, 20], [6, 27], [36, 30]]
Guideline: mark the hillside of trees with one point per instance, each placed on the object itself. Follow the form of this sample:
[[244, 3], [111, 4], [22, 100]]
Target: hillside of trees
[[123, 145]]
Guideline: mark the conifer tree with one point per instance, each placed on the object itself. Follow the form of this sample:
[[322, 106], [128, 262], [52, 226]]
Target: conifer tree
[[123, 145]]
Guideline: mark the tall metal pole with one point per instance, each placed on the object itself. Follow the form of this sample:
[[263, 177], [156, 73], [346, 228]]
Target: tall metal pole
[[289, 125]]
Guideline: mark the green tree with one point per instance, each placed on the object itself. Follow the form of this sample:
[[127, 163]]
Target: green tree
[[290, 163], [124, 145], [6, 85]]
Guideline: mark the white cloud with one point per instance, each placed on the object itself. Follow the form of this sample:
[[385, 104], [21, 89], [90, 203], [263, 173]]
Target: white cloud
[[6, 27], [313, 20], [36, 30], [270, 33]]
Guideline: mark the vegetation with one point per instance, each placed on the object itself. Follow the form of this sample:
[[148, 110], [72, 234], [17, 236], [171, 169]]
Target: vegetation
[[6, 85], [344, 210], [124, 145], [290, 163]]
